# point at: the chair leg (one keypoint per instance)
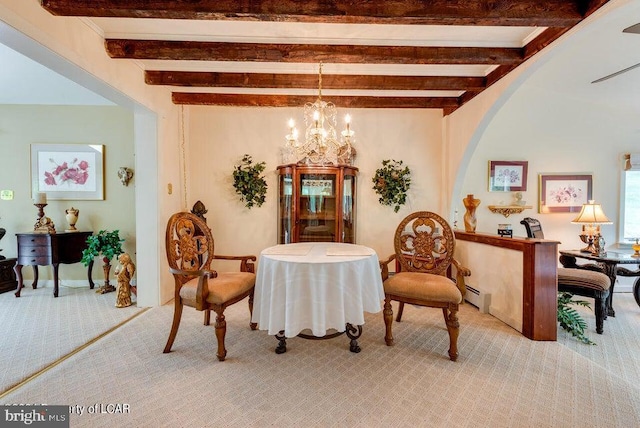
(207, 317)
(601, 311)
(388, 320)
(221, 331)
(400, 310)
(177, 314)
(253, 325)
(451, 318)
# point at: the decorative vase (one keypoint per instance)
(636, 249)
(72, 219)
(470, 221)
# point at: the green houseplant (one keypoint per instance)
(108, 245)
(570, 319)
(391, 183)
(248, 182)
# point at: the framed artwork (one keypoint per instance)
(508, 176)
(68, 171)
(564, 193)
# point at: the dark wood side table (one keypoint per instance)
(607, 263)
(7, 275)
(44, 249)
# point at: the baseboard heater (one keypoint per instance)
(478, 299)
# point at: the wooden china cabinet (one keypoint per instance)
(316, 203)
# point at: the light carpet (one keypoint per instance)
(37, 329)
(501, 379)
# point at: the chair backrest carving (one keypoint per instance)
(189, 243)
(533, 227)
(424, 242)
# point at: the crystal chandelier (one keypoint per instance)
(321, 144)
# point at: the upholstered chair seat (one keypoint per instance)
(222, 288)
(587, 283)
(411, 285)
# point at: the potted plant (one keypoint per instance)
(105, 244)
(570, 319)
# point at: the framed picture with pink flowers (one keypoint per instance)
(508, 176)
(564, 193)
(68, 171)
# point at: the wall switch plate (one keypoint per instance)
(6, 195)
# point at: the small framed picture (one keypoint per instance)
(564, 193)
(508, 176)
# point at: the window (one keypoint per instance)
(630, 206)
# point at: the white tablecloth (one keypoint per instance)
(317, 286)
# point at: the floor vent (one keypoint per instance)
(478, 299)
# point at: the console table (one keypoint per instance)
(44, 249)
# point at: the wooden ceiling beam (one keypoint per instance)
(250, 100)
(529, 13)
(308, 53)
(310, 81)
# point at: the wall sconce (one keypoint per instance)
(125, 175)
(591, 217)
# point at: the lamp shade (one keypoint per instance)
(591, 213)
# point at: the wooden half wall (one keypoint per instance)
(534, 282)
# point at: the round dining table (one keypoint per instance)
(323, 288)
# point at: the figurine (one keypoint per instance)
(124, 272)
(44, 225)
(470, 221)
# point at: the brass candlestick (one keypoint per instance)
(40, 211)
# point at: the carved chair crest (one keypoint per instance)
(424, 242)
(190, 243)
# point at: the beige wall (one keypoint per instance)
(23, 125)
(220, 136)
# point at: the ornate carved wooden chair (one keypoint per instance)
(190, 252)
(424, 245)
(583, 282)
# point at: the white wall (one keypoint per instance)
(220, 136)
(576, 138)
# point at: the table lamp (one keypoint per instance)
(591, 217)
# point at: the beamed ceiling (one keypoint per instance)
(375, 54)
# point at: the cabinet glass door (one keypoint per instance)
(317, 210)
(348, 214)
(285, 223)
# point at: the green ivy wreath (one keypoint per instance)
(248, 182)
(391, 183)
